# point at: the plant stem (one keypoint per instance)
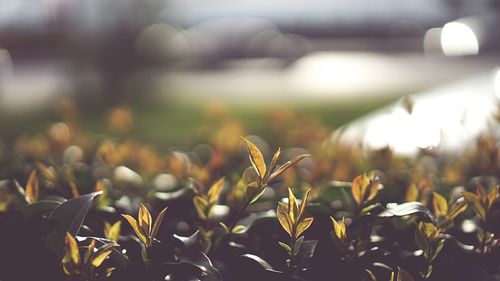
(232, 225)
(292, 254)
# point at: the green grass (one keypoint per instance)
(179, 123)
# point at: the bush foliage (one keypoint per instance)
(75, 206)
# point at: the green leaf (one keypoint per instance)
(409, 208)
(370, 274)
(438, 248)
(190, 241)
(224, 226)
(298, 244)
(403, 275)
(38, 208)
(421, 242)
(306, 252)
(69, 217)
(239, 229)
(428, 272)
(286, 247)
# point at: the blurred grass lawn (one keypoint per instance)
(178, 123)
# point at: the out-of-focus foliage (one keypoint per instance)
(68, 200)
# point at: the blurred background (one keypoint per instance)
(400, 74)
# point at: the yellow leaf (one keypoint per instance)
(145, 220)
(100, 257)
(493, 196)
(74, 190)
(112, 232)
(89, 252)
(138, 230)
(72, 248)
(293, 208)
(456, 209)
(440, 205)
(215, 190)
(303, 225)
(283, 218)
(201, 204)
(476, 203)
(158, 221)
(66, 268)
(274, 161)
(411, 193)
(373, 187)
(339, 228)
(286, 166)
(32, 187)
(256, 158)
(359, 186)
(428, 229)
(47, 172)
(109, 271)
(480, 191)
(365, 187)
(304, 203)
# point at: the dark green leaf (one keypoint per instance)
(203, 263)
(258, 260)
(410, 208)
(38, 208)
(403, 275)
(298, 244)
(68, 217)
(188, 242)
(306, 251)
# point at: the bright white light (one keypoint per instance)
(496, 83)
(347, 73)
(432, 44)
(468, 226)
(426, 132)
(446, 119)
(458, 39)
